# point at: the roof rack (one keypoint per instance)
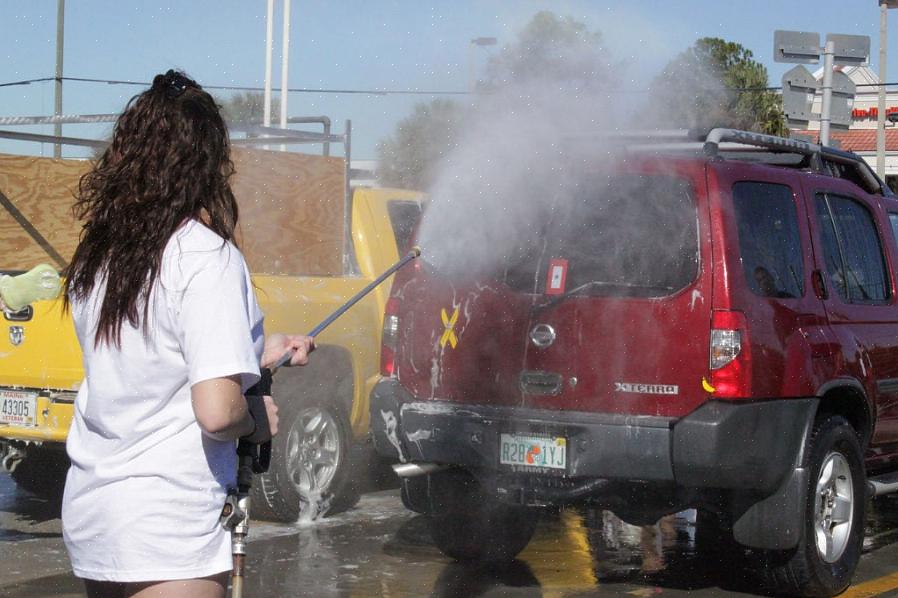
(820, 157)
(722, 143)
(256, 134)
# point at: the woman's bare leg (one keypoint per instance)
(104, 589)
(214, 586)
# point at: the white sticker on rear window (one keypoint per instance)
(647, 389)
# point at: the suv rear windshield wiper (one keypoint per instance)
(598, 283)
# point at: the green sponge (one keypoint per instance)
(41, 282)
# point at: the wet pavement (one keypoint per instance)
(380, 549)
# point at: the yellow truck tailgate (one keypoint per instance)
(40, 369)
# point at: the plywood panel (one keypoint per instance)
(291, 210)
(42, 190)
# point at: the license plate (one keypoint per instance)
(523, 451)
(18, 407)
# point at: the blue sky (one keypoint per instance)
(373, 44)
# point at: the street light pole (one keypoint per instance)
(285, 51)
(266, 109)
(479, 41)
(827, 88)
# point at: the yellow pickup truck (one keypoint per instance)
(311, 243)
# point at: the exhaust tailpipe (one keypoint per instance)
(410, 470)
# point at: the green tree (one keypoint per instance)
(550, 50)
(717, 83)
(239, 108)
(248, 106)
(410, 157)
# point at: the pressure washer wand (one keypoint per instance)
(255, 458)
(412, 254)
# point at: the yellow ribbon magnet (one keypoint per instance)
(449, 323)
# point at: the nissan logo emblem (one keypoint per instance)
(542, 335)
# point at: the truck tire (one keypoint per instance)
(825, 559)
(311, 473)
(469, 525)
(42, 472)
(715, 548)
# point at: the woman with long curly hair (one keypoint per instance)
(172, 337)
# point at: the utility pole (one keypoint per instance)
(60, 44)
(884, 6)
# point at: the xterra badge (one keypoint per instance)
(647, 389)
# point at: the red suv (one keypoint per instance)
(738, 355)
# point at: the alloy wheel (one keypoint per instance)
(313, 450)
(833, 507)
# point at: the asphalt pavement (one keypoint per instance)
(380, 549)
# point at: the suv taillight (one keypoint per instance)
(730, 361)
(389, 338)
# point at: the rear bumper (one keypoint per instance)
(722, 445)
(52, 422)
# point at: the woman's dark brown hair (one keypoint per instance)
(169, 160)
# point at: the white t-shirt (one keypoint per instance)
(146, 486)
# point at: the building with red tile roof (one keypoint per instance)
(860, 137)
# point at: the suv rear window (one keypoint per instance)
(404, 216)
(622, 235)
(769, 243)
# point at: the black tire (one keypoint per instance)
(713, 537)
(834, 511)
(42, 472)
(312, 473)
(471, 526)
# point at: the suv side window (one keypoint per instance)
(852, 250)
(769, 242)
(404, 216)
(893, 220)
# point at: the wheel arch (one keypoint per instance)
(329, 373)
(847, 397)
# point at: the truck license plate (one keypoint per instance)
(533, 452)
(17, 407)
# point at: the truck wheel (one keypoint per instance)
(824, 560)
(471, 526)
(311, 472)
(42, 472)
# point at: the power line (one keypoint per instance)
(382, 92)
(27, 81)
(378, 92)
